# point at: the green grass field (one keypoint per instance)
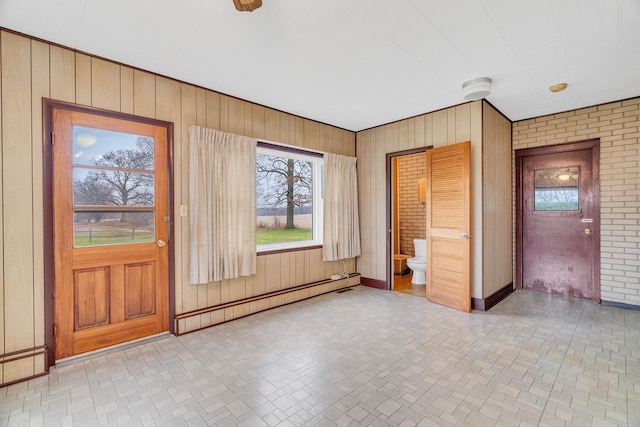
(279, 236)
(262, 237)
(110, 238)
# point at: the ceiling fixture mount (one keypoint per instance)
(247, 5)
(477, 88)
(558, 87)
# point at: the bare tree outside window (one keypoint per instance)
(556, 199)
(120, 177)
(122, 184)
(284, 198)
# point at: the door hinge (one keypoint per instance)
(55, 331)
(53, 138)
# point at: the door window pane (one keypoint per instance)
(92, 228)
(557, 189)
(112, 149)
(112, 187)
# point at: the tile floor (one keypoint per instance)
(363, 357)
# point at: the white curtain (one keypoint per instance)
(341, 236)
(222, 205)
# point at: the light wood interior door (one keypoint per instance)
(449, 226)
(110, 207)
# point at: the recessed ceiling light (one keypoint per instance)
(558, 87)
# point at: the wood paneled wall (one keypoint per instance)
(32, 70)
(461, 123)
(497, 194)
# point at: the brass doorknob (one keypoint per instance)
(162, 243)
(587, 231)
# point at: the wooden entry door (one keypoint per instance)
(449, 226)
(559, 237)
(111, 229)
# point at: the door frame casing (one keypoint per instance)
(48, 106)
(590, 144)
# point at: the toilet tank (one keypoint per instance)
(420, 248)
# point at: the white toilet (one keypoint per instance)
(418, 264)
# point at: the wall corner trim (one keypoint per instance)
(373, 283)
(487, 303)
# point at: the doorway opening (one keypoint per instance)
(558, 219)
(447, 245)
(406, 221)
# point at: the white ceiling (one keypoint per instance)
(361, 63)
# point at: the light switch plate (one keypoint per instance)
(183, 210)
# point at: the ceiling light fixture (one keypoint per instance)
(477, 88)
(247, 5)
(558, 87)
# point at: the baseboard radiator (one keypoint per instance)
(22, 365)
(214, 315)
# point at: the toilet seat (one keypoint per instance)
(418, 264)
(417, 261)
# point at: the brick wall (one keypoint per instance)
(412, 212)
(617, 125)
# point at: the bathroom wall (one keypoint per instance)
(412, 212)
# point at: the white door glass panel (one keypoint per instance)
(557, 189)
(113, 187)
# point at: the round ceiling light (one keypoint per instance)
(558, 87)
(477, 88)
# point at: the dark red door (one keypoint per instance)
(560, 221)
